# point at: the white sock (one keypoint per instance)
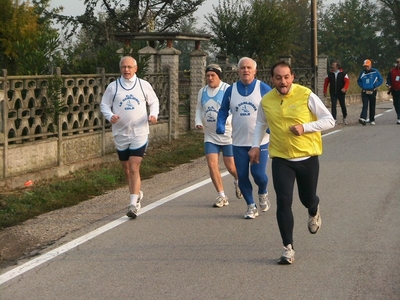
(222, 194)
(133, 198)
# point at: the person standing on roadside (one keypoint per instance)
(296, 117)
(369, 80)
(242, 100)
(124, 105)
(393, 84)
(338, 82)
(209, 101)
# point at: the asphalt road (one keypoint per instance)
(180, 247)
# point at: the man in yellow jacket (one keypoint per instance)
(296, 117)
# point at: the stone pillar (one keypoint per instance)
(169, 60)
(3, 105)
(322, 70)
(153, 65)
(223, 61)
(198, 60)
(287, 58)
(3, 125)
(102, 73)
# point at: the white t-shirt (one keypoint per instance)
(127, 99)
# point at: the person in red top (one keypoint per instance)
(338, 82)
(393, 84)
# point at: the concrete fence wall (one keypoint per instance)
(40, 160)
(33, 150)
(34, 138)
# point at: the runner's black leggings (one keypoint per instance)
(284, 174)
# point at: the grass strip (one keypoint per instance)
(21, 205)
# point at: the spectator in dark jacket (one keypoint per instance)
(393, 84)
(338, 82)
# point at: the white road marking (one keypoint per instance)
(332, 132)
(70, 245)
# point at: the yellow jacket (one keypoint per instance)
(283, 111)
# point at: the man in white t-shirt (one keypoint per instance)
(124, 105)
(208, 103)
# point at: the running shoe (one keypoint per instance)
(265, 204)
(221, 201)
(314, 222)
(251, 212)
(134, 209)
(238, 192)
(287, 256)
(138, 203)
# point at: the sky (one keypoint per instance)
(76, 7)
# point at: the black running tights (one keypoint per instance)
(284, 174)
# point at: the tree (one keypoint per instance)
(94, 42)
(188, 25)
(348, 31)
(394, 7)
(229, 25)
(132, 15)
(271, 31)
(262, 29)
(19, 22)
(389, 38)
(35, 55)
(91, 49)
(300, 17)
(27, 41)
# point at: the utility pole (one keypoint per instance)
(314, 46)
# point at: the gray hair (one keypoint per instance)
(246, 58)
(124, 57)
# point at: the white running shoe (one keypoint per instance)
(265, 204)
(134, 209)
(238, 192)
(221, 201)
(314, 222)
(251, 212)
(287, 256)
(138, 204)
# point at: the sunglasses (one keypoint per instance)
(398, 61)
